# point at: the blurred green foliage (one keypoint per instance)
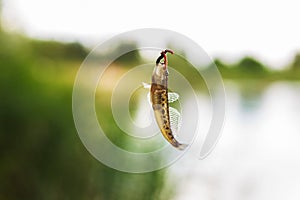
(41, 155)
(295, 66)
(249, 68)
(131, 58)
(53, 49)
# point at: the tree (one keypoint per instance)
(296, 63)
(250, 65)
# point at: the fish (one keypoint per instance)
(160, 98)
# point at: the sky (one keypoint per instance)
(228, 29)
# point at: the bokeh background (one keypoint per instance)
(255, 45)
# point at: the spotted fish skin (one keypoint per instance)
(160, 104)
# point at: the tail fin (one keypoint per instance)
(182, 147)
(178, 145)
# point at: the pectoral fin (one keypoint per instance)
(172, 96)
(175, 120)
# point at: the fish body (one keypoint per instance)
(160, 101)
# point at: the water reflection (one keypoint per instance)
(258, 155)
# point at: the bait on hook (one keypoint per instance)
(160, 99)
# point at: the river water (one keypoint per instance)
(258, 154)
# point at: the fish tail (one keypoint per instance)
(182, 146)
(178, 145)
